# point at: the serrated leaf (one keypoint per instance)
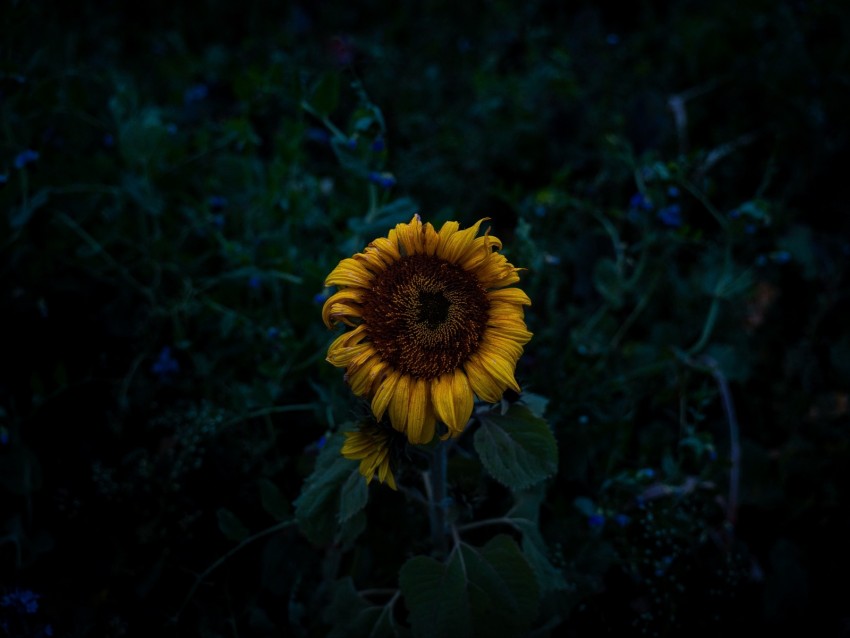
(230, 525)
(273, 500)
(317, 509)
(353, 497)
(479, 592)
(524, 516)
(326, 94)
(517, 448)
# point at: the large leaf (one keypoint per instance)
(524, 516)
(351, 616)
(323, 504)
(517, 448)
(274, 502)
(487, 591)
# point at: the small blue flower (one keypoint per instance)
(4, 436)
(672, 191)
(321, 442)
(165, 365)
(584, 419)
(612, 39)
(647, 473)
(761, 260)
(622, 520)
(734, 213)
(639, 202)
(378, 145)
(108, 140)
(321, 297)
(671, 215)
(596, 521)
(254, 282)
(315, 134)
(273, 333)
(25, 157)
(781, 256)
(750, 229)
(196, 93)
(384, 180)
(171, 128)
(21, 600)
(217, 202)
(351, 143)
(217, 220)
(3, 178)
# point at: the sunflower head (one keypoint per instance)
(376, 447)
(433, 323)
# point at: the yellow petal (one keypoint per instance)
(399, 403)
(500, 368)
(447, 230)
(516, 333)
(492, 343)
(349, 297)
(384, 394)
(419, 416)
(355, 445)
(430, 239)
(341, 357)
(510, 295)
(481, 382)
(454, 249)
(388, 250)
(452, 398)
(349, 272)
(410, 236)
(391, 479)
(364, 376)
(371, 260)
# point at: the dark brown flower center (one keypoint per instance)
(425, 316)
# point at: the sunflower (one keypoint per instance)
(371, 446)
(433, 323)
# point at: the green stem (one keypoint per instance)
(436, 485)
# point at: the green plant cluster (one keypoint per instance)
(176, 184)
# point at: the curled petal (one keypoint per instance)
(349, 272)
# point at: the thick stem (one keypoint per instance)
(437, 498)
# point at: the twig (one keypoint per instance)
(223, 559)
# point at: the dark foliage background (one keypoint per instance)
(176, 181)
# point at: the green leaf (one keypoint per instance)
(230, 525)
(489, 591)
(353, 497)
(317, 509)
(326, 94)
(517, 448)
(273, 500)
(524, 516)
(350, 615)
(535, 402)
